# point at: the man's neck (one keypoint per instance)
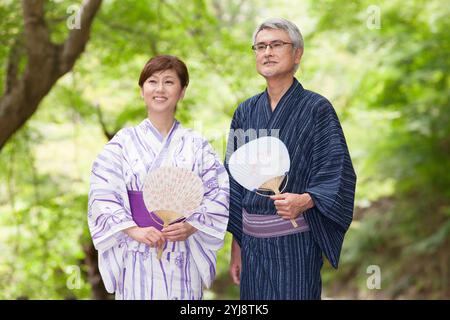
(162, 122)
(276, 88)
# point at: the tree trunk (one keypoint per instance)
(46, 63)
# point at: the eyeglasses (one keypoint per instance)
(276, 45)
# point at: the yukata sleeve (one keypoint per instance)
(236, 190)
(109, 209)
(332, 184)
(211, 218)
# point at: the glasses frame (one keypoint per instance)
(270, 45)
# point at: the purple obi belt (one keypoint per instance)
(141, 215)
(268, 226)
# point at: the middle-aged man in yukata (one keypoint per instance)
(270, 258)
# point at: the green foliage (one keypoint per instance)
(389, 85)
(42, 228)
(407, 79)
(11, 28)
(45, 167)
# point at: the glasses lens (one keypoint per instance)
(277, 44)
(259, 47)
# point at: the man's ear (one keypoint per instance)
(298, 55)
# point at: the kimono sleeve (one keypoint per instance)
(236, 190)
(332, 184)
(212, 217)
(108, 205)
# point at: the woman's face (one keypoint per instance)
(161, 91)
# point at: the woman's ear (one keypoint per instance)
(141, 90)
(182, 93)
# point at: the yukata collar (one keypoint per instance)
(147, 125)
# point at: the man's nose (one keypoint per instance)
(267, 51)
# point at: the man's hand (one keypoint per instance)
(148, 235)
(178, 231)
(235, 262)
(291, 205)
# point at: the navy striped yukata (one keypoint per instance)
(288, 267)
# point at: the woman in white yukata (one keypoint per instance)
(125, 234)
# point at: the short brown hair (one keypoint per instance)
(162, 63)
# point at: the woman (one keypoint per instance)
(128, 238)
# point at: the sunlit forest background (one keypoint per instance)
(66, 90)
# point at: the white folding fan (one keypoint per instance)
(172, 193)
(261, 164)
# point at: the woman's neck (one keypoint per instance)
(162, 122)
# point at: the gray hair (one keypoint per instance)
(282, 24)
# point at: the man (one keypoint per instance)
(319, 195)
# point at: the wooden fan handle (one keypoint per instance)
(160, 251)
(161, 247)
(294, 223)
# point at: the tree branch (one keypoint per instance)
(37, 36)
(46, 63)
(12, 69)
(108, 134)
(78, 38)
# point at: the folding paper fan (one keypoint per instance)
(261, 164)
(172, 193)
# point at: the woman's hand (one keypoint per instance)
(178, 231)
(148, 235)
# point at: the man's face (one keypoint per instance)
(273, 62)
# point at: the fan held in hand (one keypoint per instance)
(261, 165)
(172, 193)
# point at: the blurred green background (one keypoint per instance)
(383, 65)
